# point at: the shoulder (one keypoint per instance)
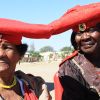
(73, 54)
(29, 77)
(31, 81)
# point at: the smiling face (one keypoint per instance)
(8, 56)
(88, 41)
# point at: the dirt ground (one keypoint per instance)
(43, 69)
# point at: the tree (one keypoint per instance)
(46, 49)
(35, 55)
(66, 49)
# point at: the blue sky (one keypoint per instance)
(41, 11)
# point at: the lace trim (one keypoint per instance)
(91, 86)
(78, 66)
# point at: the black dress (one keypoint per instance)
(78, 79)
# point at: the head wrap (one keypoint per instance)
(78, 18)
(14, 30)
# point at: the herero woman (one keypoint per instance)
(78, 77)
(18, 85)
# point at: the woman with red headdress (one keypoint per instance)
(78, 77)
(18, 85)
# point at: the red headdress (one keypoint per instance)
(13, 30)
(78, 18)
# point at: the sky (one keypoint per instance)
(41, 12)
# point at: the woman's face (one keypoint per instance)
(8, 56)
(89, 40)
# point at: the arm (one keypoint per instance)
(45, 95)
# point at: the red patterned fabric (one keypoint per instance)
(29, 95)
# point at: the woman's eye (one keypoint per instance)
(79, 33)
(92, 30)
(7, 47)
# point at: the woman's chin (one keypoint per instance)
(88, 48)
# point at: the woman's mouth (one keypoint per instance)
(4, 62)
(87, 46)
(4, 65)
(87, 43)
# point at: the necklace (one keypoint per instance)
(9, 86)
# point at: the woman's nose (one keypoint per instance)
(85, 35)
(2, 52)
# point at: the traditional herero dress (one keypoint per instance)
(79, 78)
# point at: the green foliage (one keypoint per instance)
(34, 54)
(47, 49)
(66, 49)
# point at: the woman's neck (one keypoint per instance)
(94, 59)
(6, 79)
